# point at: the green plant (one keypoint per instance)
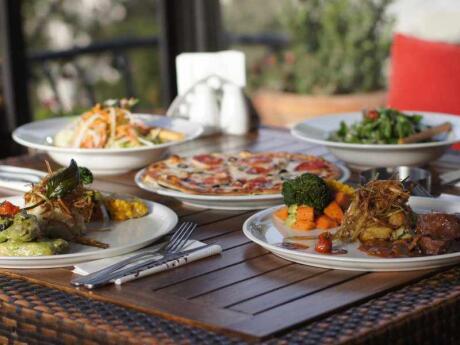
(62, 88)
(337, 47)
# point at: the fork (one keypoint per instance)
(417, 188)
(175, 244)
(422, 191)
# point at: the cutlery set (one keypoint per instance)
(171, 250)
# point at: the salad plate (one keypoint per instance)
(319, 130)
(41, 135)
(122, 237)
(224, 202)
(263, 229)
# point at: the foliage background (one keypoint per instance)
(52, 25)
(62, 24)
(336, 47)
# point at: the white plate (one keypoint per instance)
(317, 131)
(17, 178)
(123, 237)
(36, 135)
(225, 202)
(261, 229)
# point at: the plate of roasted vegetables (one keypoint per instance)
(374, 227)
(62, 221)
(108, 138)
(382, 137)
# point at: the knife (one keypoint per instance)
(146, 264)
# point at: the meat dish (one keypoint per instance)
(380, 218)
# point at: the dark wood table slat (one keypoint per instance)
(228, 258)
(229, 240)
(325, 301)
(206, 217)
(222, 227)
(227, 276)
(259, 286)
(307, 286)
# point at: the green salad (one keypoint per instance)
(382, 126)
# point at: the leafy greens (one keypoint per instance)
(383, 126)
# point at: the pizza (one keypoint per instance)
(242, 173)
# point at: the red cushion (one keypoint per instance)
(425, 75)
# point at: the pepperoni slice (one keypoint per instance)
(213, 180)
(257, 182)
(208, 159)
(239, 183)
(257, 170)
(311, 165)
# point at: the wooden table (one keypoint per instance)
(245, 294)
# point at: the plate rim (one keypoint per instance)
(108, 252)
(12, 169)
(377, 147)
(67, 119)
(335, 258)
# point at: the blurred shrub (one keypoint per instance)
(67, 86)
(338, 47)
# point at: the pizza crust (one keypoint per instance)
(186, 175)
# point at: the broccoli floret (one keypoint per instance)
(307, 189)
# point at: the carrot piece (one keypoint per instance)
(282, 213)
(306, 213)
(303, 225)
(342, 199)
(334, 211)
(324, 222)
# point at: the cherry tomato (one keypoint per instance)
(324, 244)
(257, 182)
(372, 115)
(8, 209)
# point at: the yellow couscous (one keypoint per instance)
(337, 186)
(121, 209)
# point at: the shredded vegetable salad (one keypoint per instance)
(112, 125)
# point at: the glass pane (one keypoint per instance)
(118, 55)
(245, 19)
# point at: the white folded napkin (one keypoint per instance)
(93, 266)
(449, 197)
(193, 67)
